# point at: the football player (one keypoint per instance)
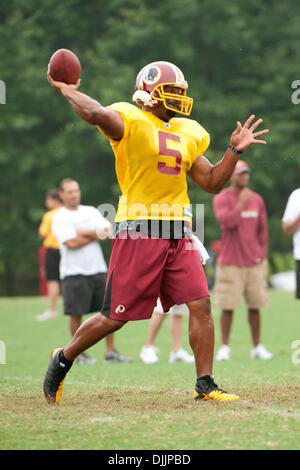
(153, 254)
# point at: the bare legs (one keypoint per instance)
(254, 322)
(110, 343)
(89, 333)
(176, 326)
(201, 335)
(154, 327)
(75, 322)
(53, 289)
(226, 322)
(53, 292)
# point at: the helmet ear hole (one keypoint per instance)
(143, 98)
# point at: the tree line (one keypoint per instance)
(239, 58)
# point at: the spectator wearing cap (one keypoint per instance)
(242, 261)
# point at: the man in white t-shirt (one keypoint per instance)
(291, 226)
(83, 270)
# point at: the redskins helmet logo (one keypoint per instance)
(120, 309)
(152, 75)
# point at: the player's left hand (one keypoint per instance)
(245, 135)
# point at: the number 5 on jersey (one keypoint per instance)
(164, 150)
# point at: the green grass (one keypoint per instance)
(141, 407)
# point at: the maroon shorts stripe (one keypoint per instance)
(143, 269)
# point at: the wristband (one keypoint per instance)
(234, 150)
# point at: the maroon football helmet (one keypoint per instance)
(154, 85)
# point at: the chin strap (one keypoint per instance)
(143, 98)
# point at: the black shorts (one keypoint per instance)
(83, 294)
(52, 264)
(297, 279)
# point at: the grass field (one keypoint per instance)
(146, 407)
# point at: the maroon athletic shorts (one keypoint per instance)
(143, 269)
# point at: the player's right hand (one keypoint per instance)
(60, 86)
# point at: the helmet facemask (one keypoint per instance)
(179, 103)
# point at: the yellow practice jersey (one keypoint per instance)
(45, 230)
(152, 160)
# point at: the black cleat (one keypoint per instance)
(54, 378)
(207, 389)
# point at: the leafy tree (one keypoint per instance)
(238, 57)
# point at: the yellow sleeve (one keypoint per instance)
(45, 226)
(129, 112)
(204, 142)
(198, 132)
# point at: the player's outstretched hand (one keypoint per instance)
(245, 135)
(59, 86)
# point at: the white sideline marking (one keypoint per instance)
(269, 409)
(104, 419)
(283, 413)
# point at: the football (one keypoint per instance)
(64, 66)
